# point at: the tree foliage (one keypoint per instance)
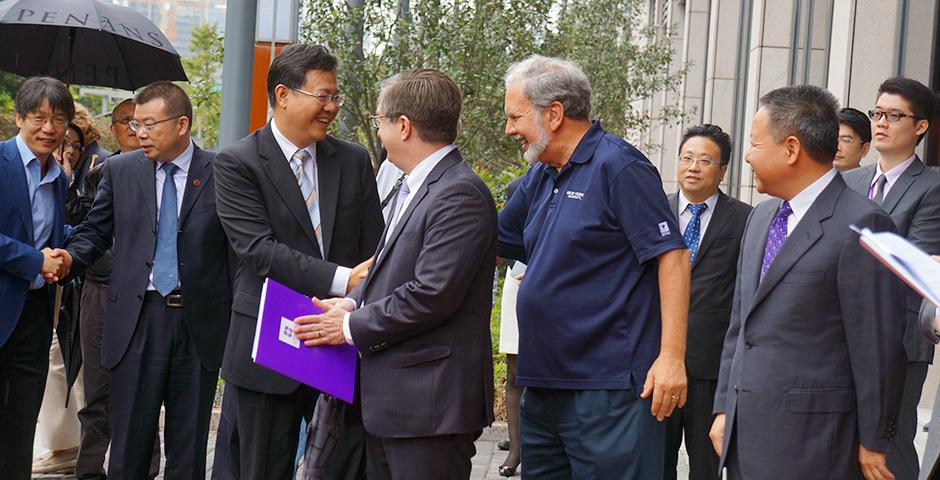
(475, 41)
(203, 69)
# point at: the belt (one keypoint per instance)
(173, 299)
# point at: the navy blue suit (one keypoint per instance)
(25, 316)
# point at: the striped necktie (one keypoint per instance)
(309, 191)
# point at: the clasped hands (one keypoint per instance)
(56, 264)
(327, 328)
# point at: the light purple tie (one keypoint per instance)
(775, 237)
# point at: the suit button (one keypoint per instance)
(749, 344)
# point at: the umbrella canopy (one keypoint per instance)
(85, 42)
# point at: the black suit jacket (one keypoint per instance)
(264, 214)
(914, 205)
(813, 362)
(424, 327)
(124, 214)
(713, 272)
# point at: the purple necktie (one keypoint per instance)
(775, 237)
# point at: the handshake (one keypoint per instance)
(55, 264)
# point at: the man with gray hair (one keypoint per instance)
(813, 365)
(602, 309)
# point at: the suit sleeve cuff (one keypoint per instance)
(340, 281)
(346, 332)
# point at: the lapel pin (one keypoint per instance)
(196, 182)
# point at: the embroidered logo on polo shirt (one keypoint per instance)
(664, 229)
(575, 195)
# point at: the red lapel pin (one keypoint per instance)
(196, 182)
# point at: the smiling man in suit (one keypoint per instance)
(712, 224)
(422, 322)
(910, 193)
(299, 206)
(32, 223)
(169, 295)
(812, 366)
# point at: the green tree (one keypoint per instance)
(203, 70)
(475, 42)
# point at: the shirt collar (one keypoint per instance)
(424, 167)
(894, 173)
(28, 156)
(710, 201)
(802, 201)
(586, 146)
(185, 159)
(288, 146)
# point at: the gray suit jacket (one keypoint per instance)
(813, 363)
(424, 326)
(914, 205)
(932, 451)
(713, 274)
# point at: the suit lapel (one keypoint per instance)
(806, 234)
(901, 185)
(448, 161)
(146, 178)
(17, 180)
(862, 183)
(716, 224)
(328, 173)
(200, 172)
(280, 174)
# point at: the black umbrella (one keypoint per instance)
(85, 42)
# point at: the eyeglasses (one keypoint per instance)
(136, 126)
(323, 98)
(122, 121)
(703, 162)
(74, 146)
(893, 117)
(375, 120)
(846, 140)
(39, 121)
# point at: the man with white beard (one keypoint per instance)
(602, 309)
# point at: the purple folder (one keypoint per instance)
(330, 369)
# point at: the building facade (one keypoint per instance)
(737, 50)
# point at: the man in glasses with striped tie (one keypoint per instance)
(300, 207)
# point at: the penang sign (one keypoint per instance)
(149, 34)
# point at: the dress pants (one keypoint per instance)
(268, 428)
(695, 419)
(225, 464)
(24, 363)
(903, 461)
(160, 367)
(602, 434)
(58, 427)
(443, 457)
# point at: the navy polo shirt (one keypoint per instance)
(588, 308)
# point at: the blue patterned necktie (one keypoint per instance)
(165, 269)
(775, 237)
(308, 191)
(692, 235)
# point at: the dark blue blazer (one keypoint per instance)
(123, 217)
(20, 261)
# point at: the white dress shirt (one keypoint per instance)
(685, 215)
(182, 163)
(802, 201)
(341, 276)
(891, 176)
(415, 180)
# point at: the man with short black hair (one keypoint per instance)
(34, 189)
(812, 365)
(854, 139)
(712, 224)
(300, 207)
(169, 295)
(910, 192)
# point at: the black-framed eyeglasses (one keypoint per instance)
(148, 126)
(75, 146)
(323, 98)
(892, 117)
(703, 161)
